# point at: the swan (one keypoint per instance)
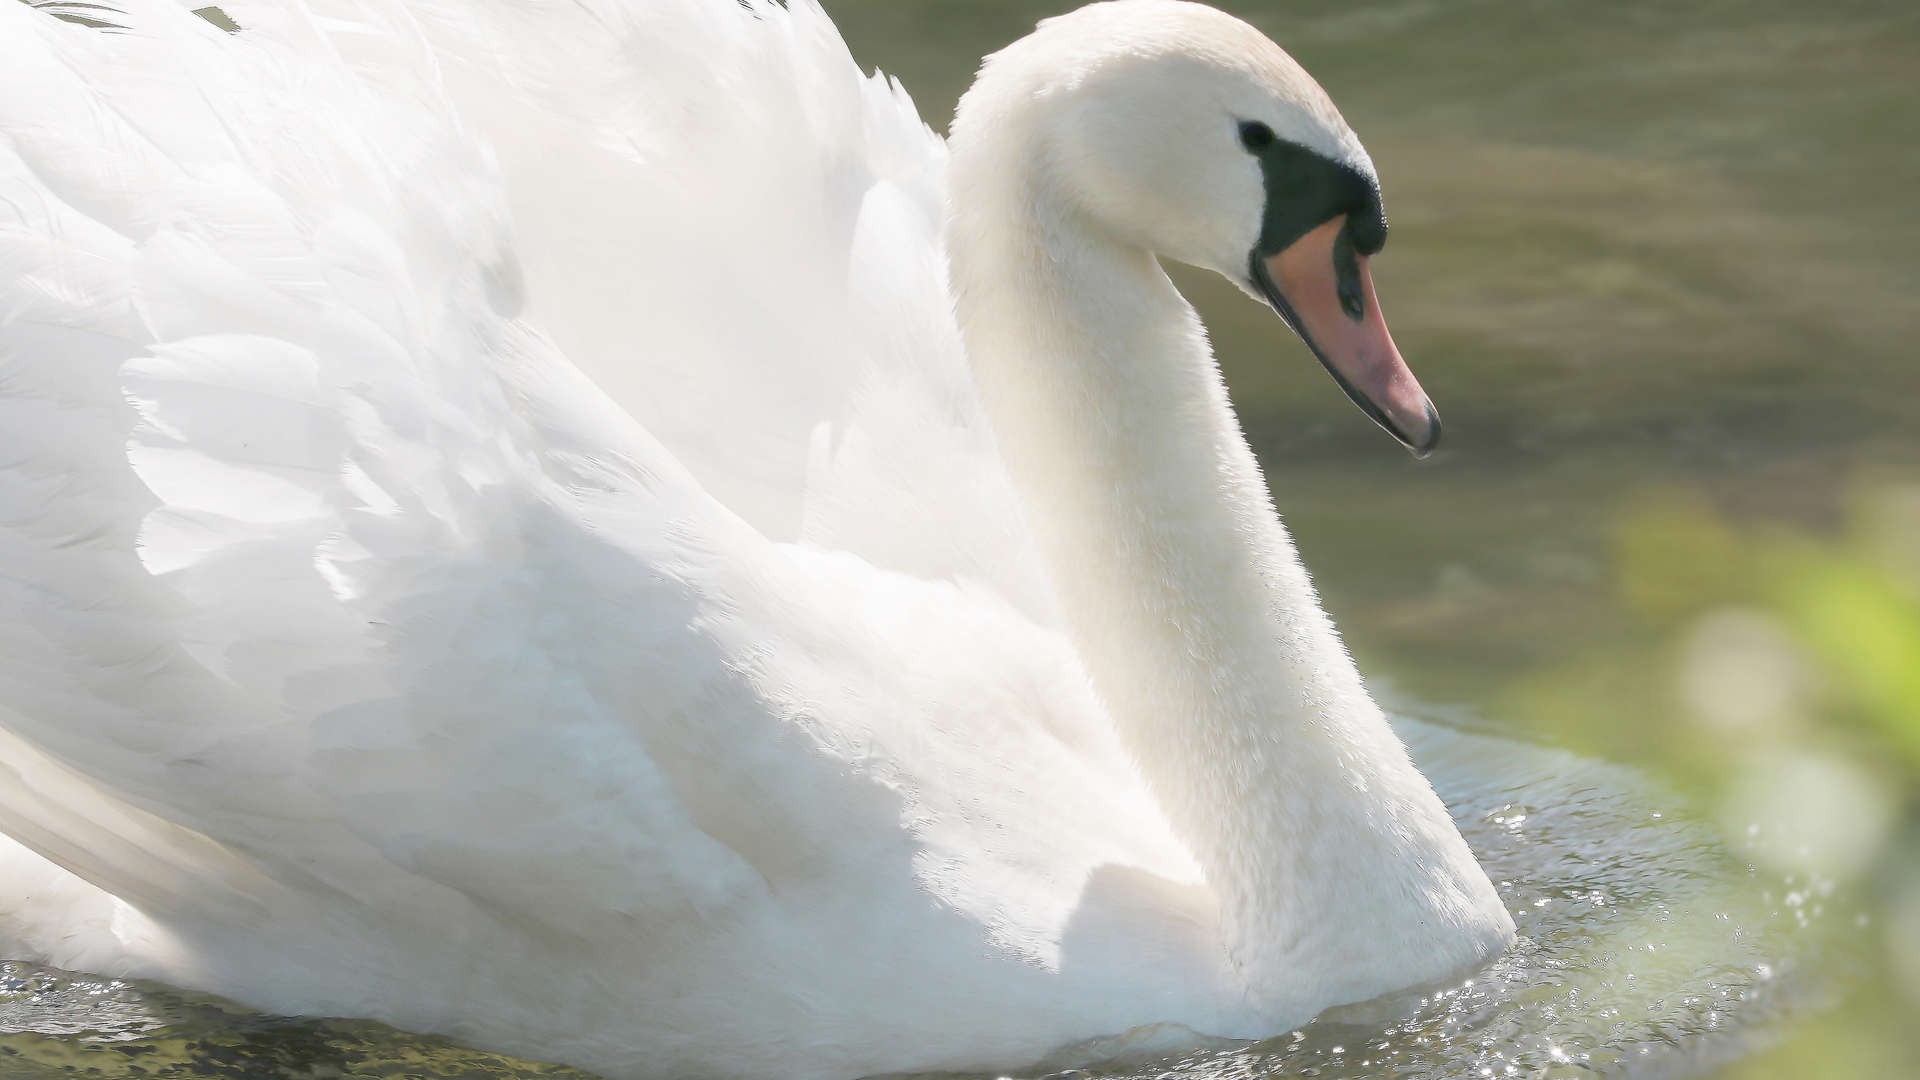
(588, 529)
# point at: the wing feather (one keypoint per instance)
(277, 527)
(469, 526)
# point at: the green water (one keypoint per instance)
(1642, 253)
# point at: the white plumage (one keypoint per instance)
(499, 532)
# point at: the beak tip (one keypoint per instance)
(1424, 448)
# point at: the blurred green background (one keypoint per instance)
(1656, 263)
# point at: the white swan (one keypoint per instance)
(768, 713)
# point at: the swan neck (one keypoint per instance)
(1198, 626)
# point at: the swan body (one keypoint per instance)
(538, 524)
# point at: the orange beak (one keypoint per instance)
(1322, 288)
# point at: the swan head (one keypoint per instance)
(1177, 128)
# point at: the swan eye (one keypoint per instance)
(1255, 136)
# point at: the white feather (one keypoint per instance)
(499, 533)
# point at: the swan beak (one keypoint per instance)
(1322, 288)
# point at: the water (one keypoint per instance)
(1634, 244)
(1646, 949)
(67, 1024)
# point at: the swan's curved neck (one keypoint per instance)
(1325, 847)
